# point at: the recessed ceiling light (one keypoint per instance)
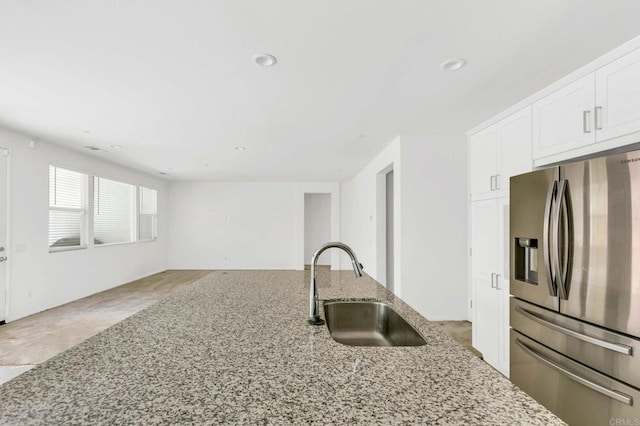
(453, 64)
(116, 146)
(240, 148)
(264, 59)
(86, 131)
(162, 173)
(207, 165)
(92, 148)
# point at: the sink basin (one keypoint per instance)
(360, 323)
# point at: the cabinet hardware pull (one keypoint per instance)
(492, 280)
(598, 117)
(497, 182)
(498, 282)
(586, 126)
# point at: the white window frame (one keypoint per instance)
(84, 210)
(140, 214)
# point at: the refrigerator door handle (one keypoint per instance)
(561, 265)
(546, 240)
(618, 396)
(623, 349)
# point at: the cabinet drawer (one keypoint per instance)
(614, 354)
(575, 393)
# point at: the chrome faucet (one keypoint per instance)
(314, 305)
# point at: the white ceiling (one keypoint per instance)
(172, 81)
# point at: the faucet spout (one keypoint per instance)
(314, 303)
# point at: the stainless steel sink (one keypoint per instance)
(361, 323)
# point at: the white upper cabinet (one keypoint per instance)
(564, 119)
(514, 147)
(603, 106)
(617, 110)
(483, 161)
(499, 152)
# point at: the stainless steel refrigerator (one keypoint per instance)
(575, 286)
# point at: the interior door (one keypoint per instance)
(530, 278)
(4, 156)
(603, 282)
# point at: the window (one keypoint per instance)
(147, 228)
(67, 208)
(113, 211)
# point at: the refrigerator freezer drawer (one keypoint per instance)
(608, 352)
(575, 393)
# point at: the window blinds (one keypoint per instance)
(113, 211)
(67, 207)
(148, 214)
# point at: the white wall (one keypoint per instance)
(362, 214)
(40, 280)
(317, 226)
(434, 232)
(430, 221)
(216, 225)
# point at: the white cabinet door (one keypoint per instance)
(618, 97)
(484, 248)
(564, 119)
(482, 162)
(514, 147)
(502, 285)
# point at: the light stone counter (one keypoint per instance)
(235, 348)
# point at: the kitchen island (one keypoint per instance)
(235, 347)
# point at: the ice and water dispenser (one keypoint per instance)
(526, 260)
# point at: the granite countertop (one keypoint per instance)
(235, 347)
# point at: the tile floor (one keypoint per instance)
(29, 341)
(460, 331)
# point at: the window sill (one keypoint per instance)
(70, 248)
(148, 241)
(114, 244)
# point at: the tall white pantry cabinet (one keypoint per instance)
(587, 113)
(506, 146)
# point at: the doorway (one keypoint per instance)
(4, 169)
(386, 254)
(389, 231)
(317, 226)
